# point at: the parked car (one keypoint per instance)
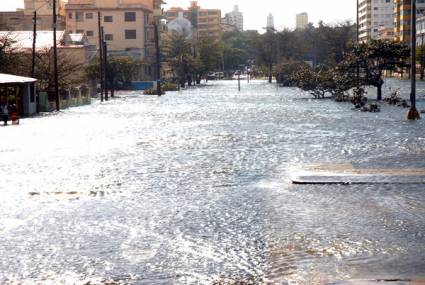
(211, 76)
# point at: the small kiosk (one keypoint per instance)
(20, 92)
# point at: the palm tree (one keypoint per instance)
(178, 54)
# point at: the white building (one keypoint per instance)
(301, 21)
(270, 22)
(181, 26)
(234, 18)
(373, 16)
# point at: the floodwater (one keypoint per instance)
(193, 188)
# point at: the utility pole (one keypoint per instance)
(55, 57)
(422, 55)
(413, 112)
(100, 31)
(358, 41)
(158, 57)
(105, 69)
(34, 39)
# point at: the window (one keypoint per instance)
(79, 16)
(79, 31)
(130, 16)
(148, 70)
(130, 34)
(89, 15)
(89, 33)
(107, 19)
(109, 37)
(70, 15)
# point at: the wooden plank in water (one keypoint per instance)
(347, 174)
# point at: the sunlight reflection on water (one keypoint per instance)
(192, 188)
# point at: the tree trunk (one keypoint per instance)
(379, 91)
(112, 86)
(270, 73)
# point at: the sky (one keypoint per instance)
(255, 12)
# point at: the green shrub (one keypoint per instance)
(169, 86)
(152, 91)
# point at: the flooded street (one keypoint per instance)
(193, 188)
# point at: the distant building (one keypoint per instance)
(402, 18)
(374, 15)
(386, 34)
(205, 22)
(420, 31)
(270, 22)
(13, 21)
(301, 21)
(22, 19)
(234, 18)
(228, 28)
(124, 24)
(181, 26)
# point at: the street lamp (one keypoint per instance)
(55, 57)
(157, 14)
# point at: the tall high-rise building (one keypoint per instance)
(234, 18)
(301, 21)
(270, 22)
(206, 22)
(402, 12)
(374, 16)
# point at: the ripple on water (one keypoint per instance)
(192, 188)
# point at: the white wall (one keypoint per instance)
(30, 108)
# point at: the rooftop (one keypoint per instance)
(23, 39)
(44, 41)
(8, 78)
